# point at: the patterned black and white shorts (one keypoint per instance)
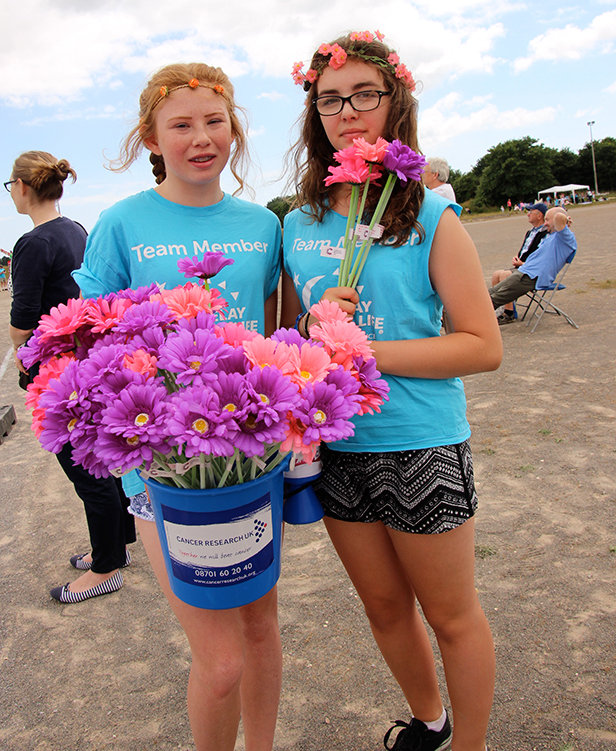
(425, 491)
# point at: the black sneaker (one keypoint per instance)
(418, 737)
(506, 317)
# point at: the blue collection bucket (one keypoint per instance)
(221, 546)
(301, 505)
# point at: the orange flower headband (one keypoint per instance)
(338, 57)
(194, 83)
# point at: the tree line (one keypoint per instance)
(518, 170)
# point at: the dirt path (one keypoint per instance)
(111, 673)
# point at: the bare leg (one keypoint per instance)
(237, 664)
(389, 600)
(262, 678)
(441, 569)
(216, 643)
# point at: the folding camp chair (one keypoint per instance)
(540, 299)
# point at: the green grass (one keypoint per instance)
(606, 284)
(484, 551)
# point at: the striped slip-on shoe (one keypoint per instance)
(64, 594)
(78, 562)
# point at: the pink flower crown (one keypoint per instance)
(338, 57)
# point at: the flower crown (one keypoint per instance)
(338, 57)
(194, 83)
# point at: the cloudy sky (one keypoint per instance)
(489, 70)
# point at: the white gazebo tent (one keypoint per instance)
(557, 189)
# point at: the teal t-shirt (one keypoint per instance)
(140, 239)
(396, 302)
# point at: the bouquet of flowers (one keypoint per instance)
(155, 380)
(362, 164)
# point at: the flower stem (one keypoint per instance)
(238, 465)
(362, 256)
(349, 243)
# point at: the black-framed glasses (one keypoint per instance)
(361, 101)
(8, 184)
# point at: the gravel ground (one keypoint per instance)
(111, 673)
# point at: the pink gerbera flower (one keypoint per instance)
(343, 340)
(141, 362)
(294, 441)
(355, 175)
(371, 152)
(47, 372)
(264, 352)
(234, 334)
(103, 315)
(63, 320)
(188, 300)
(312, 365)
(327, 310)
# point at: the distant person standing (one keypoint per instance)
(42, 262)
(435, 177)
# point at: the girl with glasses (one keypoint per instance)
(399, 496)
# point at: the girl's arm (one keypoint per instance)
(291, 306)
(455, 271)
(270, 313)
(476, 345)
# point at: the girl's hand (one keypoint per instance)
(18, 363)
(346, 297)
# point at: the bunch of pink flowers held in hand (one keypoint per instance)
(364, 163)
(155, 380)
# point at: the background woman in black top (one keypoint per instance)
(43, 260)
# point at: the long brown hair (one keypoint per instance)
(312, 154)
(179, 75)
(43, 173)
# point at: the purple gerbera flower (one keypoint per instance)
(235, 362)
(272, 394)
(139, 412)
(403, 161)
(288, 336)
(122, 454)
(369, 376)
(233, 394)
(193, 356)
(84, 451)
(199, 423)
(207, 267)
(343, 380)
(41, 350)
(67, 405)
(150, 340)
(102, 361)
(203, 320)
(141, 294)
(326, 413)
(143, 316)
(272, 397)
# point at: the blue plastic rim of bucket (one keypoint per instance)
(221, 546)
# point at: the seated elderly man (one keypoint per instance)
(542, 266)
(435, 177)
(532, 238)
